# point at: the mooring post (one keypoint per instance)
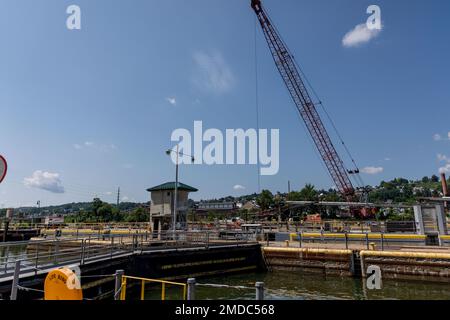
(299, 239)
(56, 251)
(367, 241)
(82, 251)
(5, 232)
(191, 289)
(346, 240)
(112, 247)
(15, 282)
(37, 260)
(6, 259)
(259, 290)
(118, 284)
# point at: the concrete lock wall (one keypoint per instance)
(333, 262)
(409, 265)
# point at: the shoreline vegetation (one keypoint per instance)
(399, 190)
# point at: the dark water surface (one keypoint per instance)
(301, 286)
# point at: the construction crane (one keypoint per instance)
(289, 72)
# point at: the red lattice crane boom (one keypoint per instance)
(302, 99)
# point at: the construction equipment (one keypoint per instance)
(290, 73)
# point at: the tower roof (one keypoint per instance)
(171, 186)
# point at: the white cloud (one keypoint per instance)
(387, 159)
(93, 145)
(238, 187)
(437, 137)
(125, 199)
(128, 166)
(446, 167)
(107, 147)
(359, 35)
(45, 180)
(212, 74)
(172, 101)
(372, 170)
(448, 136)
(109, 193)
(442, 157)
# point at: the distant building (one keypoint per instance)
(53, 220)
(250, 205)
(216, 206)
(204, 208)
(162, 205)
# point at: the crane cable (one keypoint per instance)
(358, 178)
(307, 133)
(257, 102)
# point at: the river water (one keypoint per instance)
(302, 286)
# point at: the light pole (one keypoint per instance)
(178, 153)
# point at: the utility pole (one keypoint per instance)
(287, 198)
(175, 195)
(118, 197)
(178, 153)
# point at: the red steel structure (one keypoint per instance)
(296, 86)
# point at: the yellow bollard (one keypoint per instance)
(373, 246)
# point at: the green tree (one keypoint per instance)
(138, 215)
(309, 193)
(265, 200)
(104, 213)
(96, 204)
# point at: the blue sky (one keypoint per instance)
(86, 111)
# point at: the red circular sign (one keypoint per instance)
(3, 168)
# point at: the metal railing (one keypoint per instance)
(143, 281)
(192, 284)
(39, 255)
(355, 241)
(188, 289)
